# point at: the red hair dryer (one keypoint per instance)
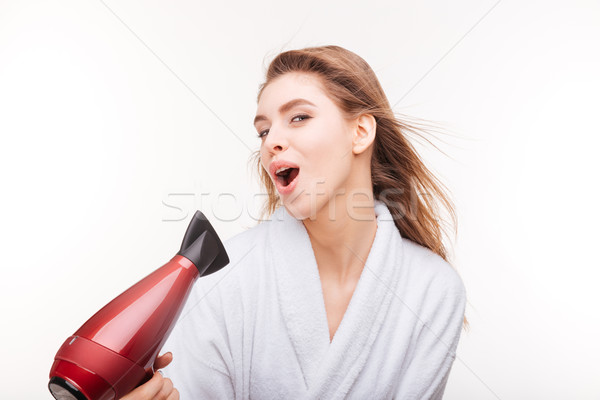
(114, 351)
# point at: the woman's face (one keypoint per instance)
(308, 135)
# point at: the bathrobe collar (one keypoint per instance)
(330, 368)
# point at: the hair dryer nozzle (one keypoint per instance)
(202, 246)
(63, 390)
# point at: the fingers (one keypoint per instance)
(148, 390)
(166, 390)
(163, 361)
(157, 388)
(174, 395)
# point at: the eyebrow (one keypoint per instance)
(285, 107)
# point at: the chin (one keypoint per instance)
(302, 208)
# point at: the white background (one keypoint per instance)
(115, 117)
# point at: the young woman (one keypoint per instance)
(346, 291)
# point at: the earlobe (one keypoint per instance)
(364, 134)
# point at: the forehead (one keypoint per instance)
(289, 86)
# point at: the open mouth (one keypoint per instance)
(285, 176)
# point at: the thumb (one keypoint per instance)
(163, 361)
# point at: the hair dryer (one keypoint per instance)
(114, 351)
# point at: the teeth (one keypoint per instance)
(281, 170)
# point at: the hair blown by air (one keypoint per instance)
(400, 178)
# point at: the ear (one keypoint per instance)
(364, 133)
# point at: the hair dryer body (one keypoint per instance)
(114, 351)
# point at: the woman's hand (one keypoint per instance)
(157, 388)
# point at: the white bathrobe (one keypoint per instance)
(257, 329)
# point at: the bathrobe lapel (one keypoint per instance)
(300, 293)
(330, 369)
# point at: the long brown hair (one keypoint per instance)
(400, 178)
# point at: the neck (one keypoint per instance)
(341, 236)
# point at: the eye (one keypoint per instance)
(303, 116)
(261, 134)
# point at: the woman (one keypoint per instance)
(346, 292)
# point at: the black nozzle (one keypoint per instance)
(202, 246)
(63, 390)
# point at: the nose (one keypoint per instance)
(276, 141)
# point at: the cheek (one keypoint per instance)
(336, 159)
(263, 155)
(328, 165)
(327, 149)
(326, 139)
(264, 161)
